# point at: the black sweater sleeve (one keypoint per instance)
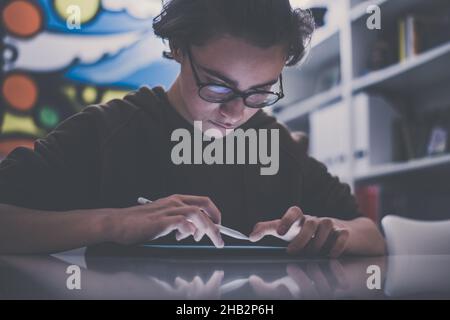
(324, 195)
(60, 173)
(66, 169)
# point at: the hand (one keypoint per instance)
(198, 289)
(282, 288)
(309, 281)
(326, 236)
(188, 215)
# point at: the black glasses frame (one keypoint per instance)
(236, 93)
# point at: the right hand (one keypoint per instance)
(188, 215)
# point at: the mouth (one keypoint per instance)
(222, 125)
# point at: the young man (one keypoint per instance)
(80, 184)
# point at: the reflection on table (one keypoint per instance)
(121, 277)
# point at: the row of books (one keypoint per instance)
(418, 33)
(415, 34)
(417, 135)
(421, 134)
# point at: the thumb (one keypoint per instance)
(292, 214)
(262, 229)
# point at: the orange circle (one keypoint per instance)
(20, 91)
(10, 144)
(22, 18)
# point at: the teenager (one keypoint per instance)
(79, 185)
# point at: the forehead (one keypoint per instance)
(238, 59)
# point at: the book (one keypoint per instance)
(412, 47)
(418, 32)
(401, 40)
(408, 37)
(368, 199)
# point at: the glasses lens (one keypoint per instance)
(261, 99)
(215, 93)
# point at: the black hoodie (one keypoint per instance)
(109, 155)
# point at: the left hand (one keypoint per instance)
(313, 280)
(325, 236)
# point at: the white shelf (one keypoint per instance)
(324, 48)
(392, 8)
(301, 108)
(433, 59)
(323, 34)
(403, 167)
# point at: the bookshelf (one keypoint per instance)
(390, 169)
(308, 105)
(417, 84)
(324, 36)
(421, 69)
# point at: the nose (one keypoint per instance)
(233, 110)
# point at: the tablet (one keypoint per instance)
(193, 252)
(208, 253)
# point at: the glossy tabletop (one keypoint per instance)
(226, 274)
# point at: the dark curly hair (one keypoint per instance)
(263, 23)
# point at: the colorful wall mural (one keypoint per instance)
(59, 56)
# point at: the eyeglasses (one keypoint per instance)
(219, 93)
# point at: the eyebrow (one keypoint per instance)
(232, 82)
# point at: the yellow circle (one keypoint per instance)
(86, 9)
(89, 94)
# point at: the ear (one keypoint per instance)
(176, 52)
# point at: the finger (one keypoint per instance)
(172, 223)
(203, 224)
(212, 231)
(303, 281)
(194, 215)
(181, 284)
(206, 226)
(316, 275)
(205, 203)
(304, 237)
(340, 244)
(324, 230)
(257, 283)
(292, 215)
(268, 290)
(215, 281)
(298, 275)
(291, 286)
(262, 229)
(185, 229)
(195, 288)
(339, 274)
(183, 235)
(282, 291)
(198, 283)
(179, 236)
